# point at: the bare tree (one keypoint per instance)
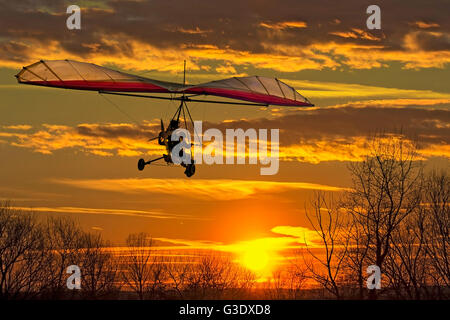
(22, 254)
(417, 265)
(178, 270)
(276, 285)
(357, 251)
(287, 282)
(143, 272)
(386, 189)
(99, 269)
(216, 276)
(158, 286)
(328, 221)
(298, 276)
(407, 264)
(437, 210)
(65, 239)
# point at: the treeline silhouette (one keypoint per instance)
(394, 216)
(34, 257)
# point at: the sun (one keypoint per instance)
(260, 256)
(255, 259)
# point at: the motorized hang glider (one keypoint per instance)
(255, 90)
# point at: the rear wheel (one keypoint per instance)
(141, 164)
(190, 170)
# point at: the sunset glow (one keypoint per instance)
(256, 259)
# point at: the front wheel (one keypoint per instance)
(161, 138)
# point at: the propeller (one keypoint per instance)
(160, 134)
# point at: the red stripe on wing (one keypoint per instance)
(248, 96)
(102, 85)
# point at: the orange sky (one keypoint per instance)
(73, 153)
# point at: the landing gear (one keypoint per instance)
(190, 170)
(164, 139)
(141, 164)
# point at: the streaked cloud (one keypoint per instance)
(424, 25)
(303, 234)
(276, 247)
(395, 103)
(316, 89)
(189, 243)
(218, 189)
(195, 30)
(287, 237)
(356, 33)
(283, 25)
(23, 127)
(115, 212)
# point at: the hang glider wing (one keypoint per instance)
(263, 90)
(87, 76)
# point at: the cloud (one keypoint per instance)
(303, 235)
(284, 25)
(305, 35)
(342, 132)
(322, 89)
(189, 244)
(335, 133)
(291, 238)
(288, 238)
(23, 127)
(424, 25)
(345, 34)
(217, 189)
(356, 33)
(227, 68)
(98, 139)
(115, 212)
(195, 30)
(397, 103)
(428, 41)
